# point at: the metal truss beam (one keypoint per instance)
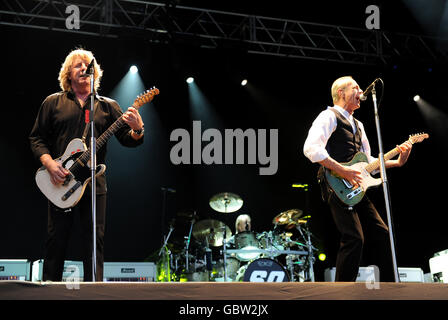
(164, 22)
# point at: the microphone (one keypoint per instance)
(363, 96)
(89, 69)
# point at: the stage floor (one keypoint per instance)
(232, 291)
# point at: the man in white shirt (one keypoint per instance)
(334, 138)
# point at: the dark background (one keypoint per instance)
(284, 94)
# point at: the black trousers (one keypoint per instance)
(60, 224)
(359, 226)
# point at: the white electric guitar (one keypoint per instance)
(76, 159)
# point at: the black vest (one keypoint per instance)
(343, 143)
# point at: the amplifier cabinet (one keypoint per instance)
(73, 271)
(112, 271)
(369, 274)
(130, 271)
(438, 265)
(15, 269)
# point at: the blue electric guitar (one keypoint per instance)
(346, 192)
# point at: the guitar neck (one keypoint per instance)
(376, 164)
(101, 141)
(416, 138)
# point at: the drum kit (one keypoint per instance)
(210, 252)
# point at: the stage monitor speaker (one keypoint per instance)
(438, 265)
(113, 271)
(368, 274)
(130, 271)
(15, 269)
(73, 271)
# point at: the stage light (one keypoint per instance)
(133, 69)
(244, 82)
(190, 80)
(416, 98)
(303, 186)
(322, 256)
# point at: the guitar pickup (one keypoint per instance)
(71, 191)
(347, 184)
(354, 193)
(67, 180)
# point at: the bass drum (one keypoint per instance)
(263, 270)
(233, 264)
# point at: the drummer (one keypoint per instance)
(242, 223)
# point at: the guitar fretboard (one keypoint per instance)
(376, 164)
(85, 157)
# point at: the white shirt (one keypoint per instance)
(322, 128)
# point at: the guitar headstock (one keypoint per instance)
(418, 137)
(145, 97)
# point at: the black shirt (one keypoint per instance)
(61, 119)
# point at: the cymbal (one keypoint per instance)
(226, 202)
(287, 216)
(212, 231)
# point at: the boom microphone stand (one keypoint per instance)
(90, 73)
(385, 185)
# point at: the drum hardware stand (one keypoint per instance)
(224, 253)
(187, 245)
(310, 257)
(385, 183)
(164, 191)
(290, 265)
(167, 251)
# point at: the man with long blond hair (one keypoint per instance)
(60, 119)
(334, 138)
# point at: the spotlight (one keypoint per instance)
(190, 80)
(133, 69)
(322, 257)
(416, 98)
(244, 82)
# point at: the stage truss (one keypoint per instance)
(166, 22)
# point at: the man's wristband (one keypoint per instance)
(139, 132)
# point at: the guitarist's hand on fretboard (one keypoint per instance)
(405, 150)
(133, 119)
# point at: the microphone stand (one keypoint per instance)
(93, 170)
(385, 186)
